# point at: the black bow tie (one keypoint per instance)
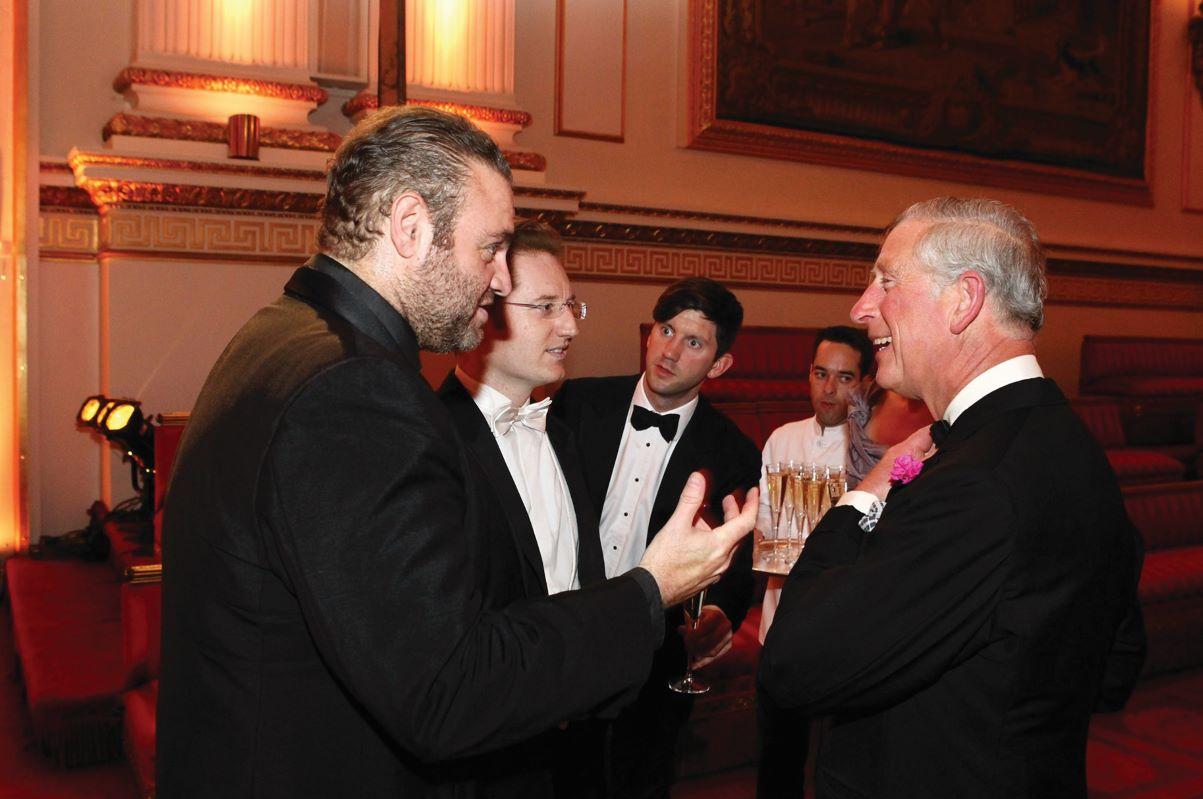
(642, 419)
(940, 431)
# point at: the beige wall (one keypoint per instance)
(166, 321)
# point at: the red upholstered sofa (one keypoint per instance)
(87, 641)
(1158, 383)
(1131, 464)
(1142, 367)
(1170, 518)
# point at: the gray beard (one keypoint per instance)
(441, 317)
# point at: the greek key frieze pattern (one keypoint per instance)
(131, 230)
(664, 264)
(68, 233)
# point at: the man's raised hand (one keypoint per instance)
(686, 555)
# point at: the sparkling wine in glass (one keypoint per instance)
(690, 683)
(775, 479)
(813, 489)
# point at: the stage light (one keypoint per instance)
(90, 411)
(122, 422)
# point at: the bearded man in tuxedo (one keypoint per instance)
(957, 627)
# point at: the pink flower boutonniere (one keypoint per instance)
(905, 469)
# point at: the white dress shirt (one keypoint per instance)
(643, 456)
(1012, 370)
(803, 443)
(539, 479)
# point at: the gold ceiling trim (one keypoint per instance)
(79, 160)
(124, 124)
(138, 76)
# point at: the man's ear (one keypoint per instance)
(410, 228)
(722, 364)
(970, 297)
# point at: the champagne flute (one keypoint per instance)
(813, 490)
(690, 683)
(837, 484)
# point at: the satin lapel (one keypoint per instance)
(602, 420)
(479, 442)
(325, 292)
(590, 563)
(688, 453)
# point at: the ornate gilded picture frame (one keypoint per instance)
(1041, 95)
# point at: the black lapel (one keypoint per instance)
(591, 566)
(327, 284)
(687, 455)
(481, 446)
(1022, 394)
(600, 431)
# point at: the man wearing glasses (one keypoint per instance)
(542, 529)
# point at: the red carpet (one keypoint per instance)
(1152, 750)
(24, 772)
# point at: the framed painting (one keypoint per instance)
(1041, 95)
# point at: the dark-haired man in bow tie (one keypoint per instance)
(957, 623)
(640, 436)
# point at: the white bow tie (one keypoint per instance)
(532, 415)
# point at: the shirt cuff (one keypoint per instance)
(861, 500)
(655, 602)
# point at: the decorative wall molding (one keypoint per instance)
(710, 239)
(648, 263)
(124, 124)
(1195, 34)
(591, 75)
(731, 219)
(1076, 284)
(61, 198)
(132, 232)
(500, 123)
(137, 76)
(79, 160)
(68, 235)
(107, 194)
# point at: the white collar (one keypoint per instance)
(684, 411)
(488, 399)
(1022, 367)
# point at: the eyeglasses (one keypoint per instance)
(551, 310)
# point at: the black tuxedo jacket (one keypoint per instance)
(597, 409)
(960, 647)
(327, 625)
(515, 565)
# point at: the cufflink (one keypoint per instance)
(869, 520)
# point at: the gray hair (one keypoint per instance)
(994, 240)
(398, 149)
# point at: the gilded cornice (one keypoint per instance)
(107, 194)
(64, 198)
(523, 160)
(703, 216)
(81, 160)
(137, 76)
(124, 124)
(365, 101)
